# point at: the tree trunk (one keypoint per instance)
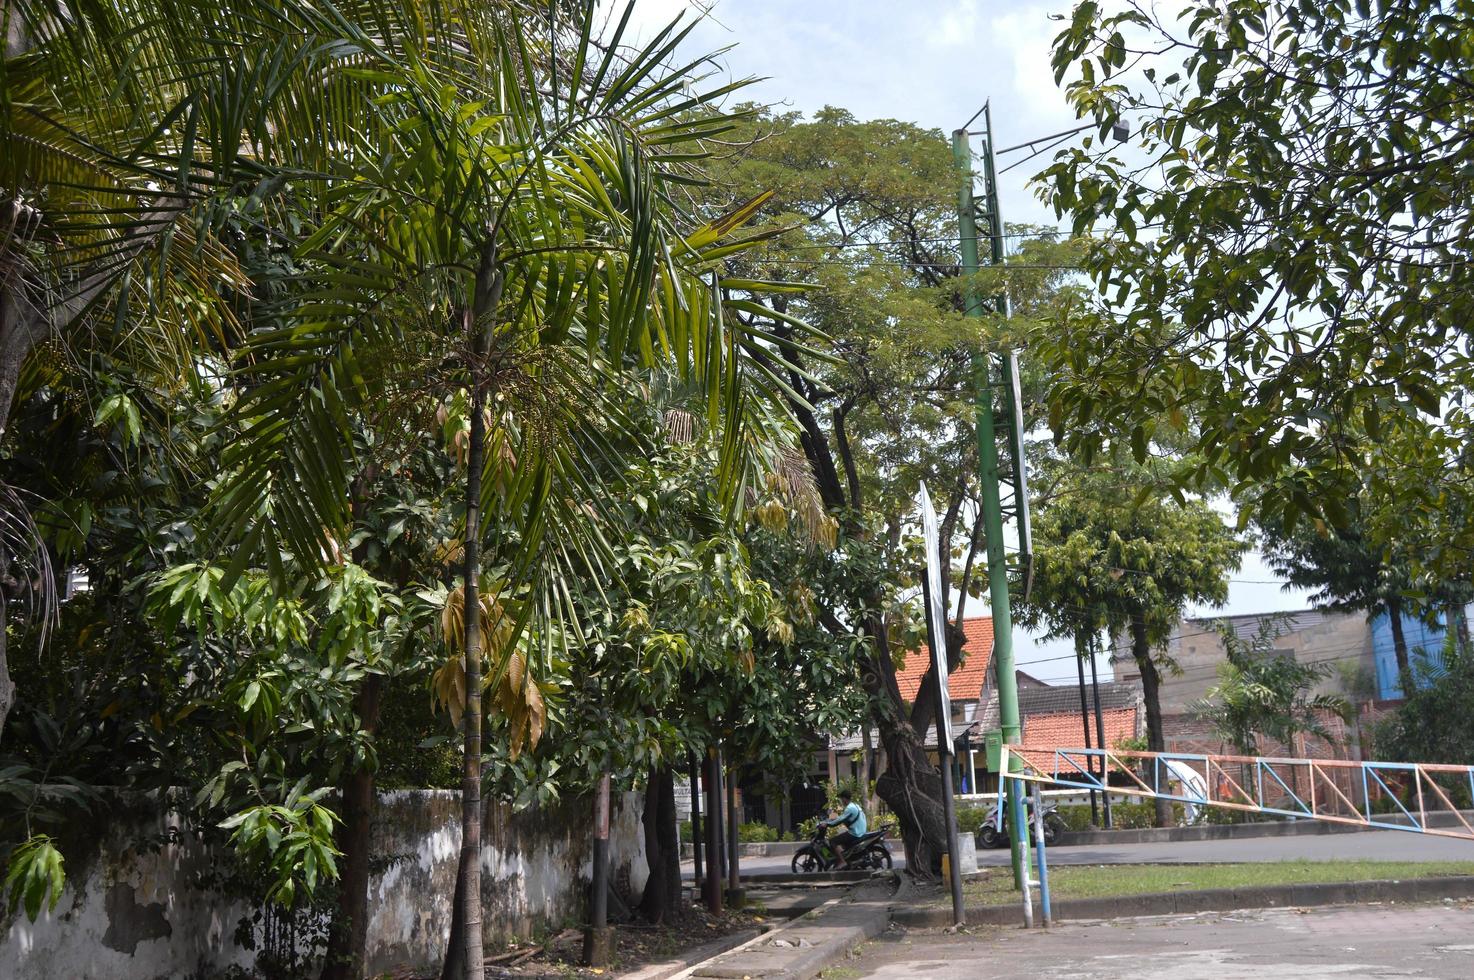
(911, 786)
(715, 872)
(467, 917)
(7, 686)
(1151, 693)
(661, 900)
(348, 939)
(1399, 646)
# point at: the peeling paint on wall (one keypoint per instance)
(136, 913)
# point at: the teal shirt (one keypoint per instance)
(852, 818)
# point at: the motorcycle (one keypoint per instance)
(990, 836)
(868, 853)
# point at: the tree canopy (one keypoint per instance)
(1284, 273)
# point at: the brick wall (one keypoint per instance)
(1187, 733)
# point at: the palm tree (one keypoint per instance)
(507, 225)
(104, 195)
(477, 197)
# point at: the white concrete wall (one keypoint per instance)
(134, 910)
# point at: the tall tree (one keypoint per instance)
(867, 211)
(1114, 549)
(101, 203)
(510, 229)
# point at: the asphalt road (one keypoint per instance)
(1376, 845)
(1346, 943)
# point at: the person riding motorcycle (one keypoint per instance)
(852, 818)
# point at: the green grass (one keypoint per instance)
(1098, 881)
(840, 973)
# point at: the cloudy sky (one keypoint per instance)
(932, 62)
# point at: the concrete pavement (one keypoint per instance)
(1374, 845)
(1342, 943)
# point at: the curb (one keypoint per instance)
(1208, 900)
(776, 848)
(669, 968)
(788, 878)
(1241, 831)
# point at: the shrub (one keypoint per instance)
(757, 833)
(970, 818)
(685, 832)
(1218, 815)
(1124, 816)
(1075, 816)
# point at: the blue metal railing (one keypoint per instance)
(1301, 784)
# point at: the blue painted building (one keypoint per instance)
(1424, 652)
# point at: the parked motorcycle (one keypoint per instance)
(868, 853)
(990, 836)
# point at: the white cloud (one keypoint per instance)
(957, 26)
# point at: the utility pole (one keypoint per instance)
(698, 841)
(1105, 768)
(1080, 646)
(988, 468)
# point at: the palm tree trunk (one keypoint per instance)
(467, 916)
(469, 875)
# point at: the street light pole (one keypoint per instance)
(988, 473)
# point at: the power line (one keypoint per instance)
(917, 265)
(1348, 653)
(1040, 235)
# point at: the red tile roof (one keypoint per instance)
(966, 682)
(1063, 731)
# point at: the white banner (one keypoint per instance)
(937, 615)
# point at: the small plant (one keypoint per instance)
(35, 876)
(291, 843)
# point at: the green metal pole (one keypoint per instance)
(988, 475)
